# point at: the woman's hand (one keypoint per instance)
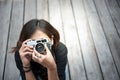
(26, 53)
(46, 60)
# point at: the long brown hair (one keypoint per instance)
(31, 26)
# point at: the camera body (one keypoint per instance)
(39, 45)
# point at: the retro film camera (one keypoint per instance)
(39, 45)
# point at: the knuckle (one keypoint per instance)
(21, 55)
(33, 58)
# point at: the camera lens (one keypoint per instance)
(40, 47)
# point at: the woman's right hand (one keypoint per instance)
(26, 53)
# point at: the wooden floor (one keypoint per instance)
(89, 28)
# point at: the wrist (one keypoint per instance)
(52, 68)
(26, 65)
(26, 69)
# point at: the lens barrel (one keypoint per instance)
(40, 47)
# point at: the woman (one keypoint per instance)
(34, 65)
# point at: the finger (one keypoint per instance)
(26, 54)
(34, 57)
(24, 42)
(30, 47)
(27, 49)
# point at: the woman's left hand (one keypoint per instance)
(46, 60)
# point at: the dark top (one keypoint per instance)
(39, 71)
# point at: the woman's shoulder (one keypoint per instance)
(61, 48)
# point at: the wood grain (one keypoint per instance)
(42, 9)
(30, 11)
(72, 41)
(114, 10)
(110, 31)
(87, 45)
(11, 71)
(5, 13)
(102, 47)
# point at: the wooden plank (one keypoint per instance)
(102, 48)
(118, 1)
(87, 45)
(55, 17)
(5, 10)
(67, 72)
(56, 21)
(114, 10)
(42, 9)
(11, 71)
(30, 10)
(77, 70)
(111, 33)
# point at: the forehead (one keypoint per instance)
(38, 35)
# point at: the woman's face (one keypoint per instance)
(39, 35)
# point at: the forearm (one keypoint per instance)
(29, 75)
(52, 74)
